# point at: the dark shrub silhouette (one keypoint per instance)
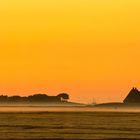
(3, 98)
(39, 98)
(63, 96)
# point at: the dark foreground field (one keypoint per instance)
(77, 139)
(68, 125)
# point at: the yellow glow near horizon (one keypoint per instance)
(88, 48)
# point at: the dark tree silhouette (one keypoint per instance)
(3, 98)
(42, 98)
(63, 96)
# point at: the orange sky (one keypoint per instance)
(87, 48)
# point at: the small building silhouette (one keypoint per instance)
(133, 96)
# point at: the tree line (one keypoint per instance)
(62, 97)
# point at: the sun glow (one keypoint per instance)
(88, 48)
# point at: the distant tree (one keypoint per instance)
(37, 97)
(14, 98)
(63, 96)
(34, 98)
(3, 98)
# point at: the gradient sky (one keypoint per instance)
(87, 48)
